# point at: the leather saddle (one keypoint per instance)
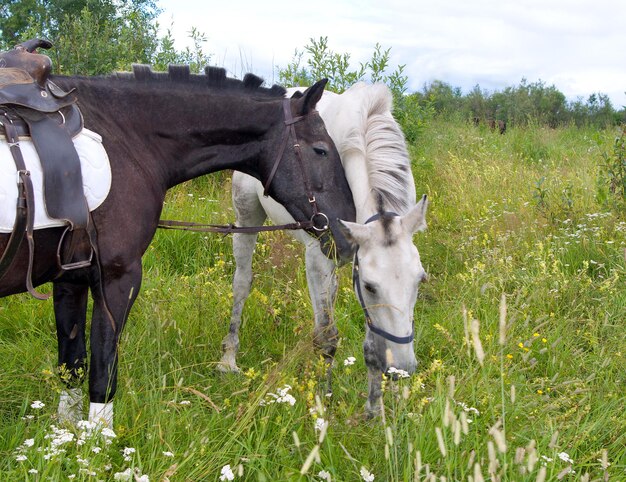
(31, 105)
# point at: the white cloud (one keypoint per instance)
(575, 44)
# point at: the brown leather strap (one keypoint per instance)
(27, 198)
(229, 228)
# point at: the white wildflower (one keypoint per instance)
(366, 475)
(349, 361)
(128, 452)
(168, 454)
(227, 473)
(123, 476)
(324, 475)
(37, 405)
(320, 424)
(33, 471)
(184, 402)
(282, 396)
(21, 458)
(398, 372)
(96, 450)
(107, 433)
(29, 442)
(565, 457)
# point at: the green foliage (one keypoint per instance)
(612, 175)
(546, 398)
(321, 62)
(520, 106)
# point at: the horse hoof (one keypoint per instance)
(227, 368)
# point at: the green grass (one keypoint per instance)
(516, 215)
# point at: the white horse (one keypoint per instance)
(387, 266)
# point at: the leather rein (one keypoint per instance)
(356, 281)
(290, 132)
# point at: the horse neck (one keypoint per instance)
(368, 141)
(174, 135)
(355, 167)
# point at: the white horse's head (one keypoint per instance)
(388, 272)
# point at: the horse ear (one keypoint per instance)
(415, 219)
(312, 95)
(355, 233)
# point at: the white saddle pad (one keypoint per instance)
(96, 173)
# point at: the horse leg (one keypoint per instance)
(249, 212)
(322, 280)
(70, 310)
(375, 392)
(120, 290)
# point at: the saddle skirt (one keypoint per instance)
(96, 174)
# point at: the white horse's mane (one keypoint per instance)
(378, 137)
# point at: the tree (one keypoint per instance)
(90, 36)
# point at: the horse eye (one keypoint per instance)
(320, 152)
(370, 288)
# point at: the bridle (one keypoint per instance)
(289, 132)
(356, 281)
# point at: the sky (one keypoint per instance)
(579, 46)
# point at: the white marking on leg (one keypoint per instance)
(101, 414)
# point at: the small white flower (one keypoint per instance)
(282, 396)
(565, 457)
(33, 471)
(86, 425)
(320, 424)
(227, 473)
(349, 361)
(168, 454)
(37, 405)
(324, 475)
(400, 373)
(366, 475)
(142, 478)
(96, 450)
(184, 402)
(128, 452)
(108, 433)
(29, 442)
(123, 476)
(21, 458)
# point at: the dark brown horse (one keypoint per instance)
(161, 129)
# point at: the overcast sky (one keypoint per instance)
(577, 45)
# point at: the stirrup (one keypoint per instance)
(76, 264)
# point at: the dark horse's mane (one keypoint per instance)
(213, 77)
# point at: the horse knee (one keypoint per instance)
(325, 339)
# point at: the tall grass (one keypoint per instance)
(519, 334)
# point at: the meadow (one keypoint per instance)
(519, 335)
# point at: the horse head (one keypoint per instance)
(312, 184)
(388, 272)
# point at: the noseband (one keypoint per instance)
(356, 281)
(290, 131)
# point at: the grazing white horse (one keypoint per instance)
(387, 267)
